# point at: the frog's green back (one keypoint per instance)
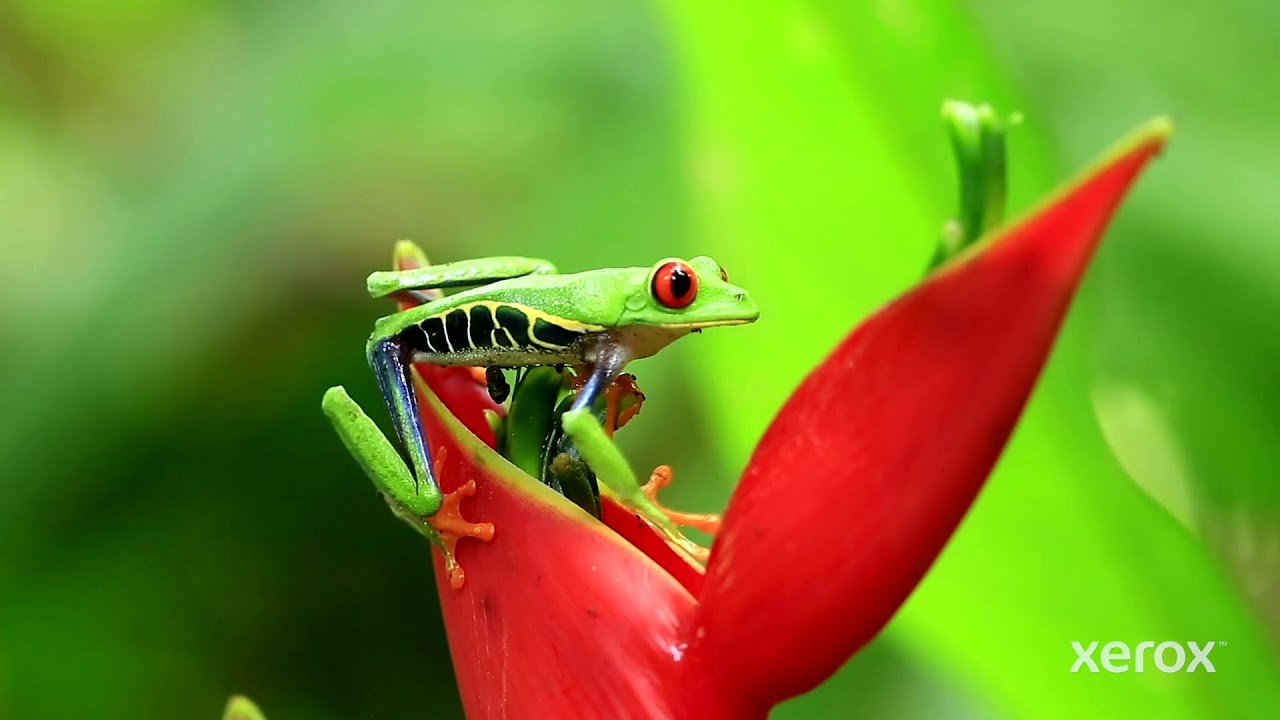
(543, 319)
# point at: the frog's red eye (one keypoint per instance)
(724, 275)
(675, 285)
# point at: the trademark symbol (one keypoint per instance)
(1222, 643)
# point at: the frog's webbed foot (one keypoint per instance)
(450, 527)
(661, 477)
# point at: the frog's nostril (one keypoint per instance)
(740, 297)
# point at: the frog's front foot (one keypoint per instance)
(620, 482)
(661, 477)
(706, 522)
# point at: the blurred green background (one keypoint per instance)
(191, 194)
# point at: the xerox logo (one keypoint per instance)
(1169, 657)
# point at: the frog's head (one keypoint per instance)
(679, 297)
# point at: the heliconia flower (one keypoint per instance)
(850, 496)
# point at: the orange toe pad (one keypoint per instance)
(452, 527)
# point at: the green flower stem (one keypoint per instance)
(978, 140)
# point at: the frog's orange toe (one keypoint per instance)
(452, 527)
(661, 477)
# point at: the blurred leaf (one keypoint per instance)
(822, 203)
(240, 707)
(1186, 350)
(190, 212)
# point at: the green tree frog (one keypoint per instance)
(519, 312)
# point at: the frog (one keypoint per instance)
(521, 312)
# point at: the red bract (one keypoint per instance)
(554, 603)
(847, 501)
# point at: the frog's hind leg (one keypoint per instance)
(465, 273)
(389, 359)
(408, 256)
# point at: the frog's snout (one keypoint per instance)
(745, 307)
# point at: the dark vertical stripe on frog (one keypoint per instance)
(552, 334)
(416, 339)
(515, 323)
(455, 326)
(481, 327)
(433, 329)
(501, 338)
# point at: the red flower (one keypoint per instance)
(848, 499)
